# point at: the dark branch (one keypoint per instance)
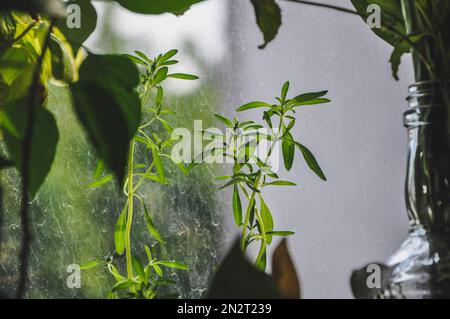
(25, 165)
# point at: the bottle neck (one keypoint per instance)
(428, 172)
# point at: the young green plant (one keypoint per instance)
(140, 281)
(253, 172)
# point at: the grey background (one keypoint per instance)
(358, 215)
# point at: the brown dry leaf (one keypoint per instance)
(284, 273)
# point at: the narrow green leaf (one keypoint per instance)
(159, 165)
(166, 125)
(123, 285)
(170, 62)
(237, 206)
(312, 102)
(151, 226)
(87, 22)
(149, 253)
(113, 270)
(401, 48)
(224, 120)
(159, 95)
(311, 161)
(288, 148)
(280, 233)
(137, 267)
(119, 231)
(135, 59)
(177, 7)
(102, 181)
(158, 270)
(152, 177)
(99, 169)
(91, 264)
(307, 97)
(233, 181)
(183, 169)
(284, 91)
(107, 86)
(267, 219)
(252, 105)
(168, 55)
(173, 264)
(5, 163)
(144, 57)
(280, 183)
(183, 76)
(44, 141)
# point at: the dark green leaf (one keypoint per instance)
(173, 264)
(135, 59)
(307, 97)
(43, 144)
(99, 169)
(80, 22)
(312, 102)
(268, 18)
(108, 107)
(177, 7)
(391, 16)
(168, 55)
(63, 62)
(281, 233)
(5, 163)
(403, 47)
(311, 161)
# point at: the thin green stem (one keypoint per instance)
(141, 180)
(246, 221)
(247, 215)
(131, 192)
(130, 210)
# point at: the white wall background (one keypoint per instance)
(358, 215)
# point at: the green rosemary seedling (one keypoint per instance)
(140, 281)
(253, 171)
